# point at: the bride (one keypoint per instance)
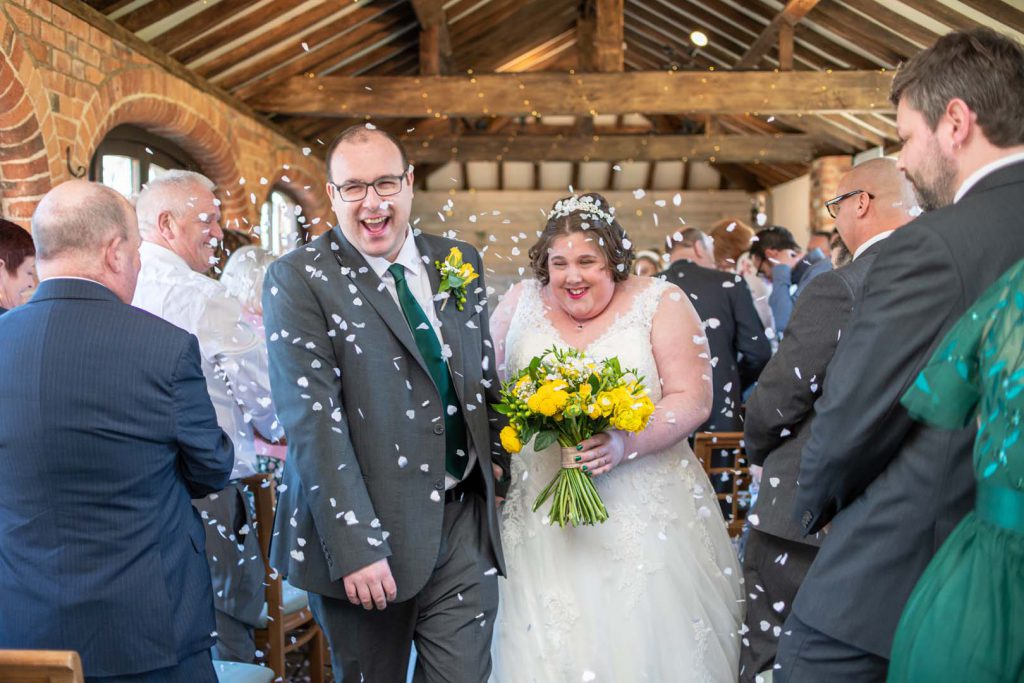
(653, 593)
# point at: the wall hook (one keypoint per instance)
(75, 172)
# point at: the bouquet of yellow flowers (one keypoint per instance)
(567, 397)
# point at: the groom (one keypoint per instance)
(387, 513)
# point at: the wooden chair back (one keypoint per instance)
(284, 633)
(40, 666)
(725, 462)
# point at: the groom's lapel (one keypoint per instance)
(451, 317)
(373, 291)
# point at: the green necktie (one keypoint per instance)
(430, 349)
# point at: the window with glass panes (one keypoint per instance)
(129, 157)
(280, 222)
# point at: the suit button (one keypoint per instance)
(439, 429)
(439, 484)
(807, 518)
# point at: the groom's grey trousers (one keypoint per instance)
(451, 619)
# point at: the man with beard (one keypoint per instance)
(891, 488)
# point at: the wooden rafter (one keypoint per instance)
(1009, 14)
(192, 28)
(791, 14)
(237, 28)
(724, 148)
(287, 38)
(347, 38)
(435, 43)
(600, 31)
(150, 13)
(529, 94)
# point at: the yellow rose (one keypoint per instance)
(510, 440)
(628, 420)
(455, 257)
(606, 402)
(593, 411)
(549, 399)
(467, 273)
(585, 390)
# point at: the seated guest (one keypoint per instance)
(243, 276)
(179, 218)
(732, 240)
(106, 432)
(781, 408)
(17, 265)
(821, 240)
(739, 347)
(777, 256)
(646, 263)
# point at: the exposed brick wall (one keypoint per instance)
(826, 172)
(64, 84)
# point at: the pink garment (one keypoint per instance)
(263, 447)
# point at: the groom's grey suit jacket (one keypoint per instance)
(780, 411)
(365, 474)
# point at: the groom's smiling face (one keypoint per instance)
(375, 225)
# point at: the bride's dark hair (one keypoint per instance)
(570, 215)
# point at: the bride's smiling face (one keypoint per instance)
(579, 277)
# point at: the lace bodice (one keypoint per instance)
(628, 336)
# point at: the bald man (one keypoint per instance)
(106, 432)
(874, 200)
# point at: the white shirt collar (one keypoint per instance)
(152, 250)
(874, 240)
(408, 256)
(990, 167)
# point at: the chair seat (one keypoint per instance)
(236, 672)
(292, 600)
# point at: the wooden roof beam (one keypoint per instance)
(791, 14)
(435, 42)
(150, 13)
(531, 94)
(600, 35)
(717, 148)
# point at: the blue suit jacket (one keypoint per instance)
(106, 432)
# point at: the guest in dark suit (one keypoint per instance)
(735, 335)
(17, 265)
(891, 488)
(777, 256)
(874, 199)
(105, 435)
(388, 517)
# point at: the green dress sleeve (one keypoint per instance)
(946, 392)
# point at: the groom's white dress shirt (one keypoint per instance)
(234, 355)
(418, 279)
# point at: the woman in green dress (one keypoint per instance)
(965, 619)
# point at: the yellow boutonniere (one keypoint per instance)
(455, 275)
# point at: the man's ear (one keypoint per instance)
(113, 257)
(961, 120)
(166, 225)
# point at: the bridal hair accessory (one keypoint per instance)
(586, 205)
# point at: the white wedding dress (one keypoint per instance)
(653, 594)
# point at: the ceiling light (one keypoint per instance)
(698, 38)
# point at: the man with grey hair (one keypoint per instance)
(737, 340)
(179, 218)
(106, 432)
(893, 489)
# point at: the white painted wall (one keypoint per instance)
(791, 207)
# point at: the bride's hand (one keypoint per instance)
(602, 452)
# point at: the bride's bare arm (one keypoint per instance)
(501, 319)
(683, 360)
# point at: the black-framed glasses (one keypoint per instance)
(833, 204)
(355, 191)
